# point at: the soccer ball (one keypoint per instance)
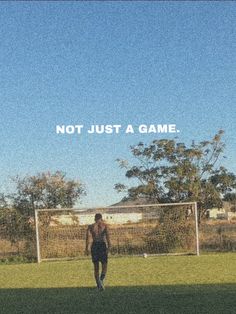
(145, 255)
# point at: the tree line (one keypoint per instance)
(164, 171)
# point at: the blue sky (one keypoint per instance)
(111, 63)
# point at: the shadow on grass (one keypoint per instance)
(138, 299)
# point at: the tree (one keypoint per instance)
(13, 226)
(168, 171)
(45, 190)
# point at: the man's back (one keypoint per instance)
(98, 231)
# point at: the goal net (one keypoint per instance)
(134, 230)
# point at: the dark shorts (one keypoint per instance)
(99, 252)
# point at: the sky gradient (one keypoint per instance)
(111, 63)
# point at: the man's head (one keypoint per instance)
(98, 217)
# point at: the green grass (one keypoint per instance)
(181, 284)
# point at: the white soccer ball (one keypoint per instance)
(145, 255)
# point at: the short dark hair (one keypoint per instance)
(98, 216)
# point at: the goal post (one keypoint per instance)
(154, 229)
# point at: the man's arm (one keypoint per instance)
(108, 237)
(87, 241)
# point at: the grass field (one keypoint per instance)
(173, 284)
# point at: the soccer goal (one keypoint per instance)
(153, 229)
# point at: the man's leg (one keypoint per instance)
(96, 273)
(103, 274)
(104, 258)
(104, 271)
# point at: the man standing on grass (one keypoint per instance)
(99, 248)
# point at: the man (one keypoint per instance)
(99, 248)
